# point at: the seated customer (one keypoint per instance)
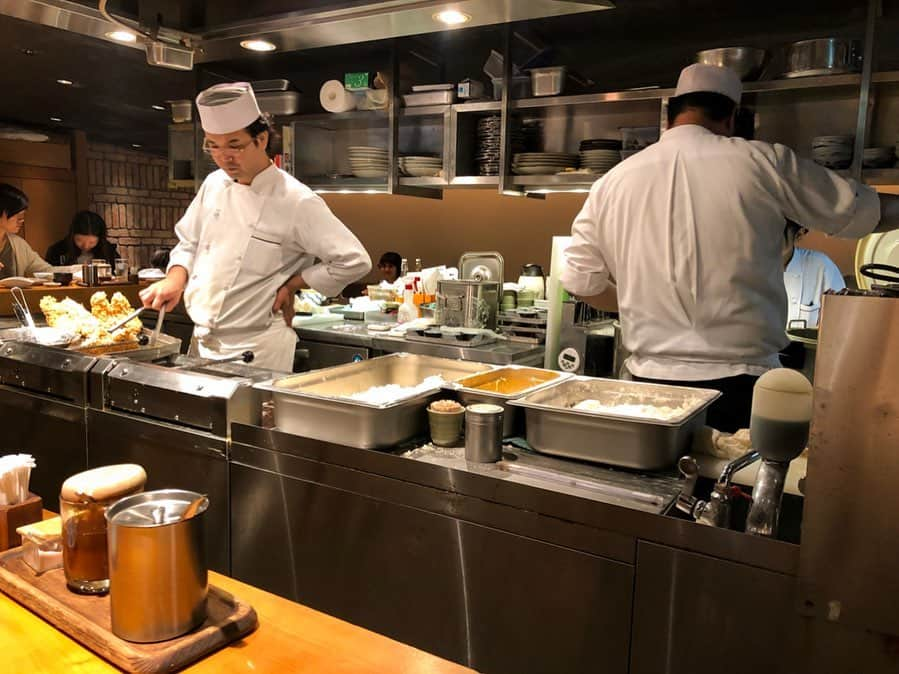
(389, 266)
(17, 258)
(808, 275)
(86, 242)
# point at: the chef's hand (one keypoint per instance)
(167, 292)
(284, 298)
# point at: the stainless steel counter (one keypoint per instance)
(356, 334)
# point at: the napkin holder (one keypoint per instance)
(14, 516)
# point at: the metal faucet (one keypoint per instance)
(767, 494)
(716, 511)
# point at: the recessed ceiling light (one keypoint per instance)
(122, 36)
(56, 119)
(66, 83)
(452, 17)
(161, 108)
(136, 146)
(258, 45)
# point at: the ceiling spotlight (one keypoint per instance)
(66, 83)
(258, 45)
(161, 108)
(56, 119)
(452, 17)
(122, 36)
(136, 146)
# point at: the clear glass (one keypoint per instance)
(121, 267)
(85, 559)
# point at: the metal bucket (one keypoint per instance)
(157, 565)
(467, 304)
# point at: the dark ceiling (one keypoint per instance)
(113, 91)
(642, 42)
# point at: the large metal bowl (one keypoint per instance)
(824, 56)
(747, 62)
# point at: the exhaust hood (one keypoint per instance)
(329, 24)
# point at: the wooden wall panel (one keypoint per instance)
(51, 207)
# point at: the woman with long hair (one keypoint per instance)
(85, 242)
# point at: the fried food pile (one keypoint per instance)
(90, 326)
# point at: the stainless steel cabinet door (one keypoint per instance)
(52, 432)
(694, 613)
(176, 458)
(496, 601)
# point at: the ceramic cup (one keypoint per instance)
(446, 427)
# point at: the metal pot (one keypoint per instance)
(747, 62)
(467, 304)
(826, 56)
(157, 565)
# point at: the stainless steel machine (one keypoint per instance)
(849, 556)
(44, 394)
(174, 419)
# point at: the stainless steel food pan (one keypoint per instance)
(485, 388)
(313, 405)
(553, 427)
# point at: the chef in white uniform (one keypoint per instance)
(251, 238)
(689, 232)
(808, 274)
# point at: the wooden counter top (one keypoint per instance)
(78, 293)
(290, 638)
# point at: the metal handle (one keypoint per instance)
(159, 319)
(689, 469)
(121, 324)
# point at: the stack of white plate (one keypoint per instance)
(599, 161)
(878, 157)
(834, 152)
(421, 167)
(542, 163)
(367, 161)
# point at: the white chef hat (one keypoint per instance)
(226, 108)
(714, 79)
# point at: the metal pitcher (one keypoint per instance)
(157, 565)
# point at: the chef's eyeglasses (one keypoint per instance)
(228, 151)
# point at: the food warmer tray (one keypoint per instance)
(468, 392)
(553, 427)
(310, 404)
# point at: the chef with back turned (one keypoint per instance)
(252, 237)
(689, 232)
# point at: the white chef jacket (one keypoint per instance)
(240, 243)
(690, 231)
(807, 277)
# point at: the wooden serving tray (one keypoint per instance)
(86, 619)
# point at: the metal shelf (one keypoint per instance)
(564, 180)
(343, 184)
(478, 106)
(425, 110)
(475, 181)
(423, 182)
(650, 94)
(333, 120)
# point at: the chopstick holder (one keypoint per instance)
(14, 516)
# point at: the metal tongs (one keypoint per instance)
(134, 314)
(122, 323)
(20, 307)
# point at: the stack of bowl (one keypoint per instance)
(419, 166)
(878, 157)
(834, 152)
(600, 154)
(367, 161)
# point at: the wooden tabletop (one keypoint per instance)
(78, 293)
(290, 638)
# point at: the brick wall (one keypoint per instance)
(130, 190)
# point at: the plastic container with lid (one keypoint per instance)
(83, 500)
